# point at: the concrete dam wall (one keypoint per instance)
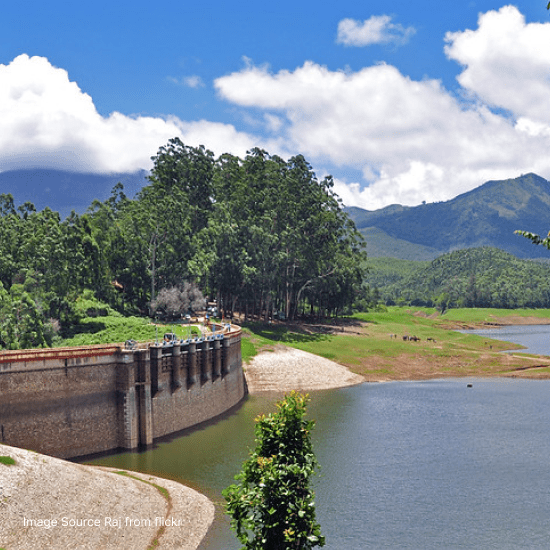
(69, 402)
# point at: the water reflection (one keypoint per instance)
(430, 464)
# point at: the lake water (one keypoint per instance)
(535, 338)
(405, 465)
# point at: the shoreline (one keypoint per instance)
(285, 369)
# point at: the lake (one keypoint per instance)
(405, 465)
(535, 338)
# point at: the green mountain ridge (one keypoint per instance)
(471, 277)
(485, 216)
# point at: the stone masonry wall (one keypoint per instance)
(78, 401)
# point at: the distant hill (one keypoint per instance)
(485, 216)
(470, 277)
(65, 191)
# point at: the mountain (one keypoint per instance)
(485, 216)
(65, 191)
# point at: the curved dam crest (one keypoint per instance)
(70, 402)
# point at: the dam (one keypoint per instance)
(70, 402)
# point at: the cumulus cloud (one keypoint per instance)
(220, 138)
(414, 140)
(48, 121)
(418, 139)
(506, 62)
(377, 30)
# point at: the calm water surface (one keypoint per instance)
(535, 338)
(405, 465)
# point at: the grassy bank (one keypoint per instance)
(372, 344)
(111, 329)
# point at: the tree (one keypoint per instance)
(273, 507)
(534, 238)
(177, 300)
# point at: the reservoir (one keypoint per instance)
(535, 338)
(404, 465)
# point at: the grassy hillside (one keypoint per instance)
(381, 245)
(485, 216)
(366, 343)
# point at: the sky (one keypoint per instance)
(401, 102)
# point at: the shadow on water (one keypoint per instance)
(233, 411)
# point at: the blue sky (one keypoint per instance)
(401, 102)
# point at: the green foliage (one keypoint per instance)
(7, 460)
(87, 305)
(384, 272)
(108, 330)
(115, 328)
(273, 508)
(535, 239)
(22, 323)
(259, 234)
(474, 277)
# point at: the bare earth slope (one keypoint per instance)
(287, 369)
(94, 508)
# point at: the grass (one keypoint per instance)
(112, 328)
(365, 345)
(492, 315)
(362, 342)
(8, 461)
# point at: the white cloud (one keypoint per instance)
(506, 62)
(219, 138)
(191, 81)
(411, 140)
(377, 30)
(420, 141)
(47, 121)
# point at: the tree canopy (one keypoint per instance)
(259, 235)
(472, 277)
(273, 508)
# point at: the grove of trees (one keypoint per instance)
(258, 235)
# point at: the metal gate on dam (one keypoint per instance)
(69, 402)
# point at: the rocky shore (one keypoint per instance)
(48, 503)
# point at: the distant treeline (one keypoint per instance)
(258, 235)
(472, 277)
